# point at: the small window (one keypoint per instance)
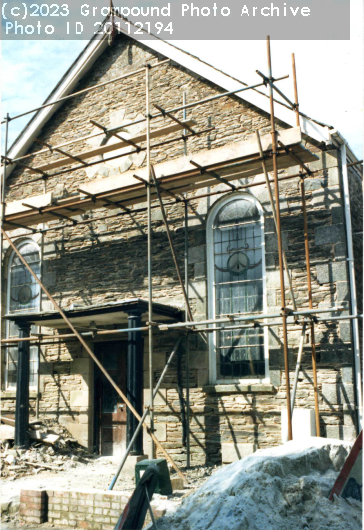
(24, 292)
(23, 296)
(236, 286)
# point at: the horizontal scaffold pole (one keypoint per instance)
(157, 115)
(51, 339)
(85, 90)
(234, 318)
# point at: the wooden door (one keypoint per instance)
(109, 405)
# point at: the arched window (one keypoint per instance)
(23, 296)
(236, 286)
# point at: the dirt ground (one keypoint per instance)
(95, 473)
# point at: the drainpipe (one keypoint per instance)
(353, 296)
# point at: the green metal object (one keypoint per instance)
(164, 486)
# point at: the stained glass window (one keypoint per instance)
(24, 291)
(23, 296)
(238, 288)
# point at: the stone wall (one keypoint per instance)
(106, 261)
(356, 208)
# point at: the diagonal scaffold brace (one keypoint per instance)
(171, 244)
(92, 355)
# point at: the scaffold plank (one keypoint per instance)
(165, 131)
(234, 161)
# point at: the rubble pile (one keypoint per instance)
(51, 448)
(282, 488)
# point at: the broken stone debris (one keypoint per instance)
(51, 448)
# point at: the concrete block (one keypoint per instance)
(201, 308)
(327, 197)
(157, 215)
(333, 175)
(78, 431)
(347, 374)
(338, 393)
(275, 377)
(345, 331)
(161, 431)
(131, 461)
(79, 398)
(334, 431)
(331, 272)
(49, 250)
(196, 254)
(273, 338)
(273, 280)
(160, 398)
(303, 424)
(80, 366)
(200, 270)
(327, 159)
(271, 298)
(350, 434)
(342, 292)
(325, 235)
(199, 215)
(177, 483)
(197, 290)
(314, 184)
(231, 452)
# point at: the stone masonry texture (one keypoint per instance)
(106, 261)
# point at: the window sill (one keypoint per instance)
(239, 389)
(11, 394)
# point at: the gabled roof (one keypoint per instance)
(98, 45)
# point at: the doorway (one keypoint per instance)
(110, 410)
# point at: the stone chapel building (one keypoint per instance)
(96, 267)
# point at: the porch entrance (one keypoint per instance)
(111, 412)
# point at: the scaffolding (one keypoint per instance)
(266, 156)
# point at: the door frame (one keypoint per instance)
(96, 445)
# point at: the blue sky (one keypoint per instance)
(330, 73)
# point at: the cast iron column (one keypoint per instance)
(21, 440)
(134, 380)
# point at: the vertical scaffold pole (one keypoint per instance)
(308, 264)
(279, 237)
(309, 288)
(150, 289)
(188, 462)
(2, 214)
(187, 345)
